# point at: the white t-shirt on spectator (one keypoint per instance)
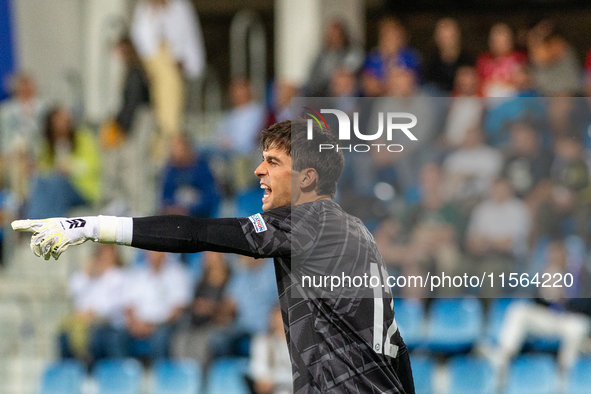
(479, 165)
(494, 221)
(175, 24)
(153, 296)
(269, 360)
(240, 127)
(101, 295)
(464, 113)
(20, 126)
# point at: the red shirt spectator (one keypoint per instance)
(497, 67)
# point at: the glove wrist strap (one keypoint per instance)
(113, 229)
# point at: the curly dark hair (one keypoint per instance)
(291, 137)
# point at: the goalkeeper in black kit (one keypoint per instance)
(342, 340)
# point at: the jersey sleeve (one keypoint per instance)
(268, 234)
(282, 231)
(184, 234)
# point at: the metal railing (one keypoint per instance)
(248, 50)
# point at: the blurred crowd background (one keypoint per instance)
(498, 182)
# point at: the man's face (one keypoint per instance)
(275, 177)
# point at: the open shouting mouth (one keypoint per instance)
(268, 192)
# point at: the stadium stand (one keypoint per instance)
(423, 369)
(226, 376)
(454, 325)
(531, 374)
(176, 377)
(410, 317)
(118, 376)
(470, 375)
(579, 378)
(63, 377)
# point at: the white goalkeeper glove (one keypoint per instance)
(51, 237)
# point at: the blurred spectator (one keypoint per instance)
(21, 119)
(471, 169)
(207, 311)
(555, 67)
(392, 51)
(503, 112)
(402, 81)
(126, 138)
(96, 293)
(281, 107)
(555, 209)
(69, 168)
(587, 76)
(449, 57)
(496, 68)
(238, 133)
(569, 168)
(465, 108)
(570, 174)
(465, 83)
(251, 305)
(270, 365)
(435, 226)
(570, 117)
(560, 115)
(154, 300)
(368, 184)
(338, 52)
(168, 38)
(136, 94)
(343, 87)
(499, 225)
(371, 84)
(497, 235)
(239, 128)
(556, 314)
(523, 81)
(391, 241)
(189, 187)
(407, 96)
(526, 163)
(21, 116)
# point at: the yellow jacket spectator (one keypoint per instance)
(69, 168)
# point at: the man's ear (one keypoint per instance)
(309, 179)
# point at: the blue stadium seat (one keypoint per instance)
(226, 376)
(422, 372)
(548, 344)
(579, 378)
(532, 374)
(471, 375)
(496, 315)
(118, 376)
(454, 324)
(176, 377)
(410, 317)
(64, 377)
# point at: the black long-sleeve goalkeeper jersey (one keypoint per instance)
(342, 339)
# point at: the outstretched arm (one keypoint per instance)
(184, 234)
(177, 234)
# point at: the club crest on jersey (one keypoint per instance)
(258, 223)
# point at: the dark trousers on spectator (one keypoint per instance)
(117, 342)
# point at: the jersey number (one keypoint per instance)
(378, 315)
